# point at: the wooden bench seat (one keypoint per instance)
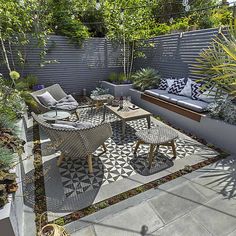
(173, 107)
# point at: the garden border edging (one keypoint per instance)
(11, 215)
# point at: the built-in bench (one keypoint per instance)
(185, 106)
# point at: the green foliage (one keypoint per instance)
(64, 21)
(12, 105)
(14, 75)
(26, 83)
(223, 109)
(218, 63)
(181, 24)
(161, 29)
(118, 78)
(99, 91)
(21, 21)
(146, 78)
(6, 158)
(222, 17)
(60, 221)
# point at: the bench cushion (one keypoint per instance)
(195, 105)
(156, 92)
(172, 98)
(165, 95)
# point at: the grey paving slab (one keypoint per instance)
(232, 233)
(220, 178)
(184, 226)
(177, 201)
(88, 231)
(29, 222)
(130, 222)
(217, 215)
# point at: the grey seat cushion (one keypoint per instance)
(75, 125)
(163, 94)
(195, 105)
(173, 98)
(156, 92)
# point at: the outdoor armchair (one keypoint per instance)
(57, 93)
(76, 143)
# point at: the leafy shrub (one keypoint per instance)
(6, 158)
(223, 109)
(146, 78)
(99, 91)
(161, 29)
(118, 78)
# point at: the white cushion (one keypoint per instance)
(187, 90)
(46, 99)
(169, 82)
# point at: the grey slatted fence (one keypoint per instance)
(173, 55)
(77, 67)
(83, 67)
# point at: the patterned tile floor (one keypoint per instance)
(119, 162)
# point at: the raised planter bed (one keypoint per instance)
(214, 131)
(11, 215)
(117, 90)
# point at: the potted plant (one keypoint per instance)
(118, 84)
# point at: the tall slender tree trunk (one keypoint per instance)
(11, 54)
(131, 60)
(5, 53)
(6, 58)
(124, 59)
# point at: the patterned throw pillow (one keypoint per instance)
(196, 91)
(163, 84)
(177, 86)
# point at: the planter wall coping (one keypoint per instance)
(120, 85)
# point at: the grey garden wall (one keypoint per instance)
(174, 54)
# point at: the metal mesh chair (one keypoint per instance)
(76, 143)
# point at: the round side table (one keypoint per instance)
(52, 116)
(99, 100)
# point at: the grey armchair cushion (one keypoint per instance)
(76, 125)
(67, 103)
(46, 99)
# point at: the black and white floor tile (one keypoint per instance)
(118, 162)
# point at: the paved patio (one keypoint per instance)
(154, 212)
(200, 203)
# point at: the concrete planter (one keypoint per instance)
(117, 90)
(217, 132)
(11, 215)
